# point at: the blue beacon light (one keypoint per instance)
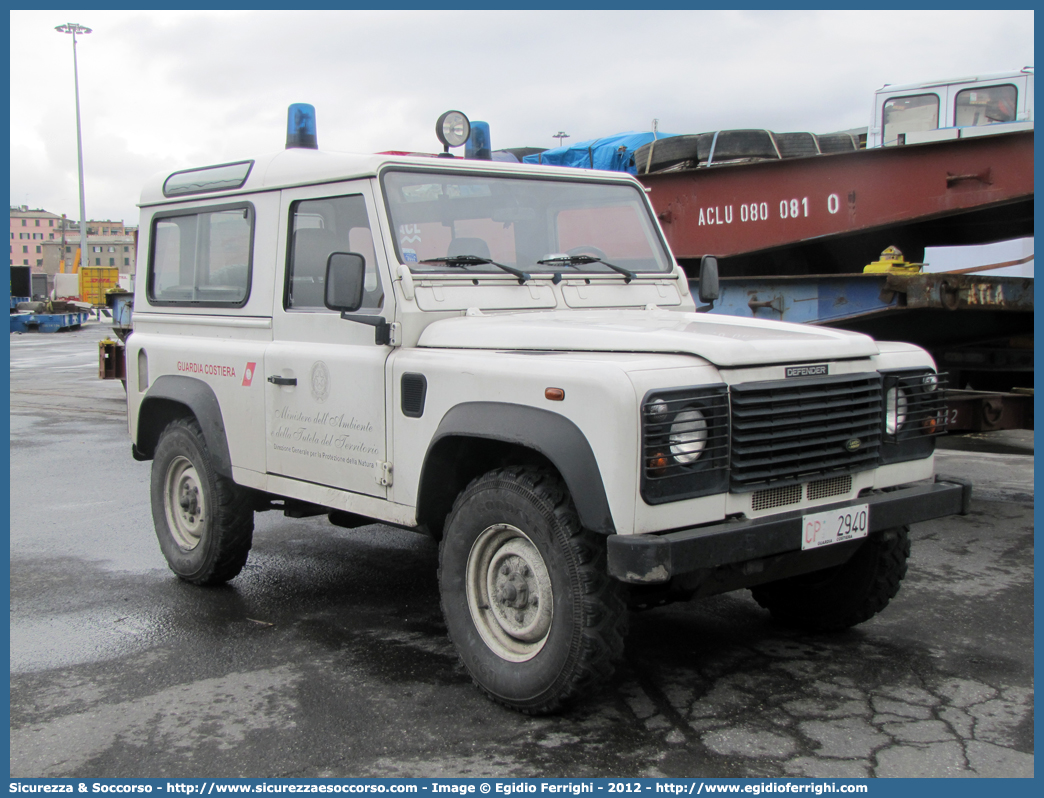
(477, 146)
(300, 127)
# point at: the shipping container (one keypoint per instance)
(95, 281)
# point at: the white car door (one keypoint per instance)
(325, 376)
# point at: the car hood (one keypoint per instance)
(726, 341)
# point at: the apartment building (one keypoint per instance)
(30, 231)
(37, 242)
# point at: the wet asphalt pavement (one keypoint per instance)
(328, 655)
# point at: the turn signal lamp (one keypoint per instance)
(300, 127)
(658, 464)
(554, 394)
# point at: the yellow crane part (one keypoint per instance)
(892, 260)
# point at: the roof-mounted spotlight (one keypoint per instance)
(453, 129)
(300, 127)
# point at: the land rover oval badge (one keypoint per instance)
(320, 381)
(853, 444)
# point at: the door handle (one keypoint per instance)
(282, 380)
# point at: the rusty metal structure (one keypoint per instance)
(832, 214)
(792, 237)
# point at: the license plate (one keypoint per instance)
(835, 526)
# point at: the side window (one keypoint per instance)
(201, 257)
(318, 228)
(985, 106)
(909, 114)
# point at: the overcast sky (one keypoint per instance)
(163, 90)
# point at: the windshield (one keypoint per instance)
(574, 226)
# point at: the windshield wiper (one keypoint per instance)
(579, 260)
(475, 260)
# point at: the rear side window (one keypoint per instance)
(910, 115)
(985, 106)
(202, 257)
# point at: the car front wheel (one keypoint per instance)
(525, 593)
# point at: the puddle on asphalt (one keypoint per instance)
(39, 644)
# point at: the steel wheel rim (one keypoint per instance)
(183, 503)
(509, 593)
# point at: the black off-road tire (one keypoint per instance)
(734, 145)
(503, 528)
(206, 529)
(796, 145)
(666, 152)
(838, 598)
(830, 143)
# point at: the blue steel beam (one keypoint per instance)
(813, 299)
(828, 299)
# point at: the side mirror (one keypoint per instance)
(345, 278)
(708, 278)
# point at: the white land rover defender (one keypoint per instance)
(508, 359)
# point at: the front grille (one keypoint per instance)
(770, 498)
(824, 488)
(790, 431)
(775, 497)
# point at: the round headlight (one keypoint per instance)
(453, 128)
(930, 382)
(688, 435)
(895, 410)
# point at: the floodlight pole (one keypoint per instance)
(74, 28)
(561, 136)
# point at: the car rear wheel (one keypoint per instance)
(204, 522)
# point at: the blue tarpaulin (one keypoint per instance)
(614, 153)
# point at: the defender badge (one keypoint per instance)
(807, 371)
(853, 444)
(320, 381)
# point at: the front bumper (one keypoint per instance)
(656, 559)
